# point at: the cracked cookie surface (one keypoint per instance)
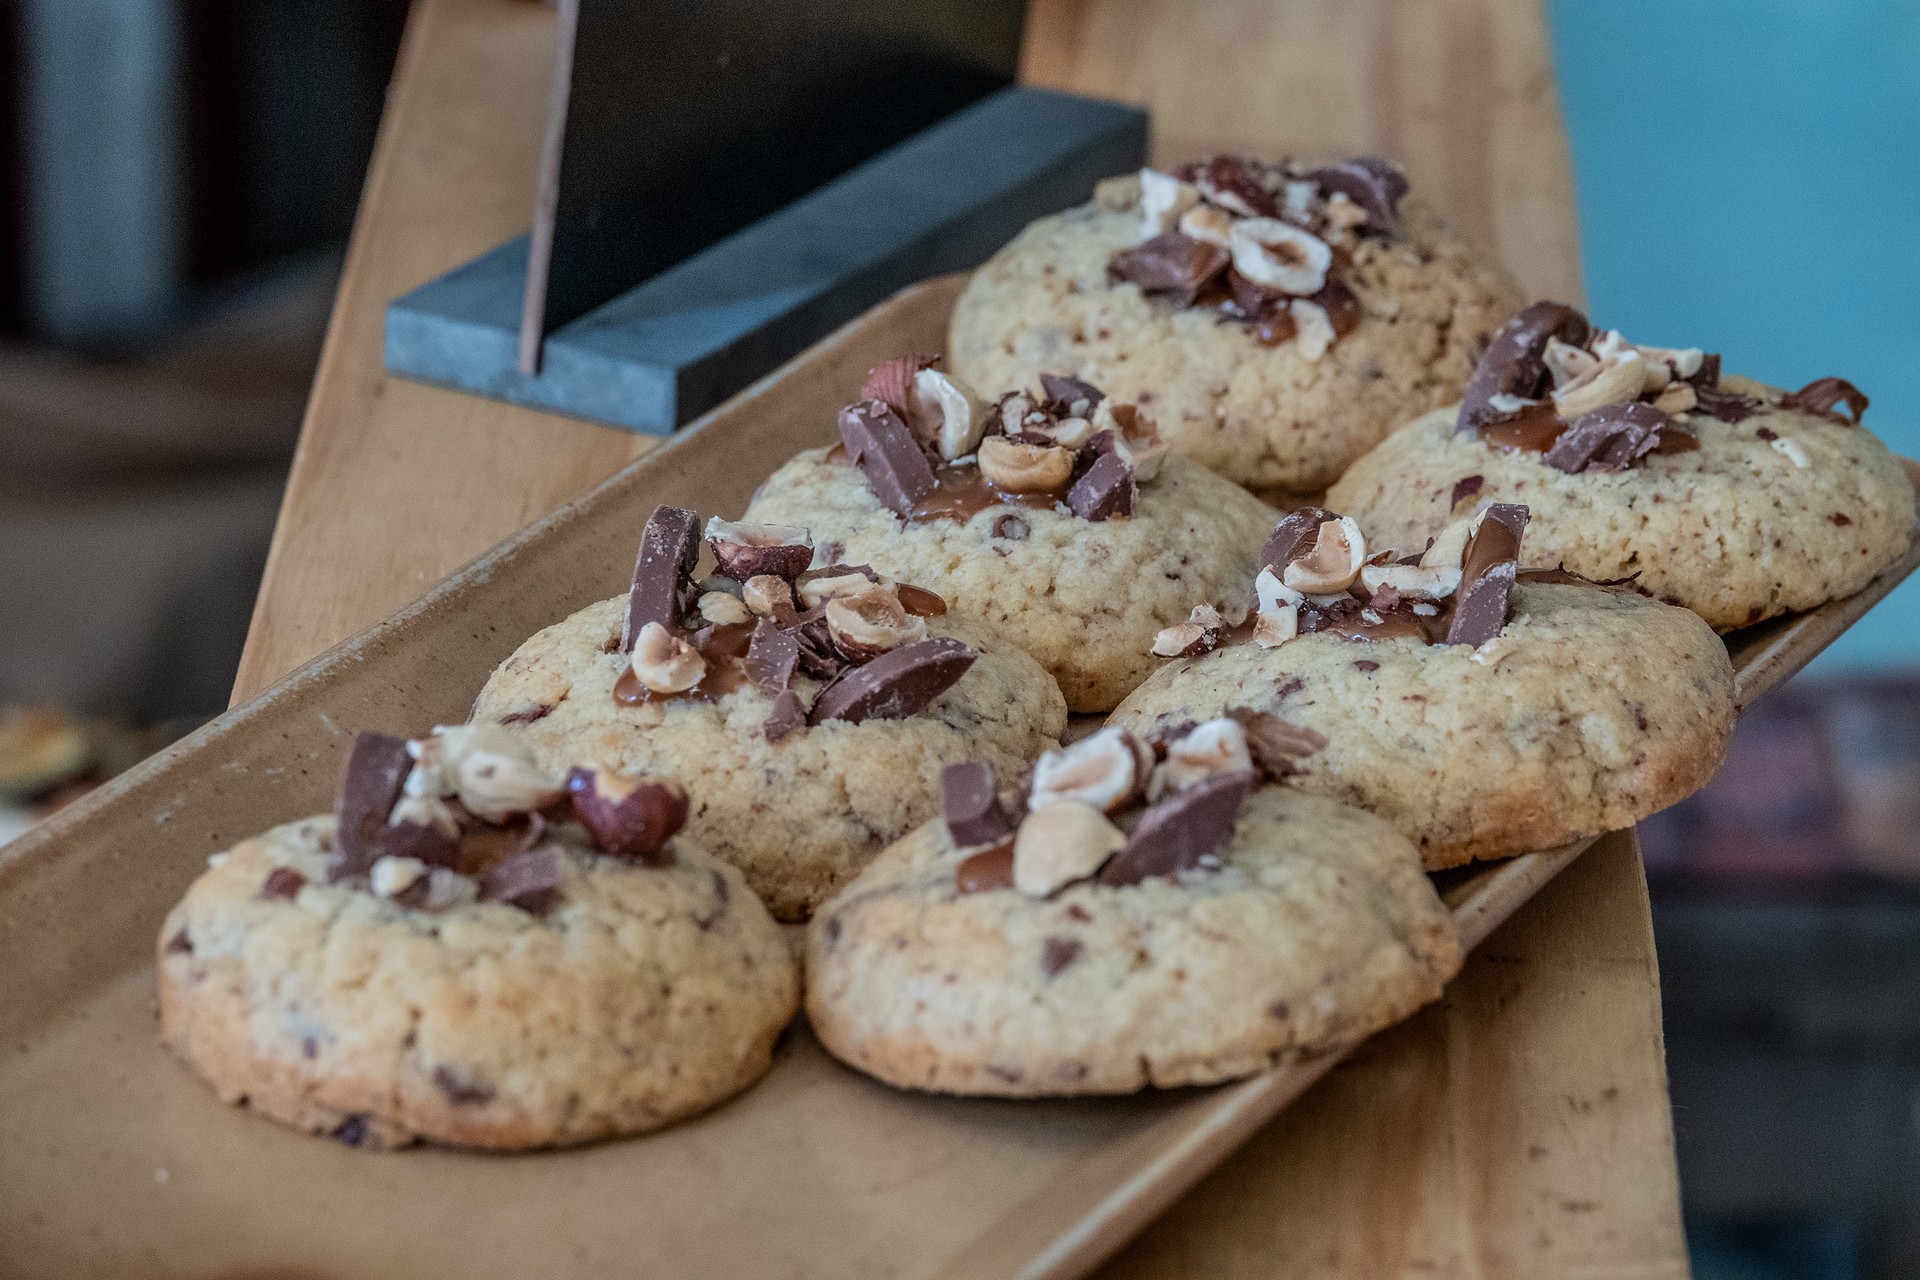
(647, 994)
(1319, 929)
(800, 816)
(1084, 597)
(1266, 417)
(1735, 530)
(1601, 708)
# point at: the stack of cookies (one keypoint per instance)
(1480, 618)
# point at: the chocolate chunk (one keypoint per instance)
(1374, 184)
(1610, 438)
(919, 601)
(628, 818)
(1011, 527)
(1236, 184)
(1820, 395)
(1057, 953)
(1342, 306)
(771, 657)
(529, 881)
(1512, 363)
(351, 1131)
(745, 551)
(890, 382)
(1294, 536)
(1170, 263)
(1487, 575)
(539, 711)
(460, 1091)
(1466, 487)
(819, 657)
(786, 715)
(1728, 406)
(282, 882)
(987, 870)
(1707, 376)
(970, 804)
(377, 767)
(181, 945)
(1107, 489)
(887, 455)
(669, 548)
(1183, 832)
(896, 684)
(1064, 395)
(1274, 743)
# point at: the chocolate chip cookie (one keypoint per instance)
(1736, 500)
(1146, 922)
(1052, 517)
(808, 708)
(1276, 319)
(1482, 708)
(408, 968)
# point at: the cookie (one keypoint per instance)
(1483, 710)
(554, 996)
(799, 777)
(1307, 925)
(1745, 504)
(1084, 595)
(1273, 349)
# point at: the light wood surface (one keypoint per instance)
(1521, 1127)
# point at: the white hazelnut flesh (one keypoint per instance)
(1059, 843)
(1618, 378)
(665, 663)
(817, 591)
(1280, 256)
(722, 608)
(865, 625)
(1105, 770)
(1449, 550)
(1210, 749)
(1024, 468)
(1278, 615)
(1313, 330)
(1411, 580)
(1207, 225)
(943, 411)
(1163, 198)
(763, 593)
(390, 876)
(1339, 550)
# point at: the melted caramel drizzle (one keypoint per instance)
(725, 651)
(1537, 427)
(961, 493)
(987, 870)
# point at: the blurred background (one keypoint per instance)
(181, 177)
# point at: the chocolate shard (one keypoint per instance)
(1487, 575)
(1610, 438)
(1183, 832)
(896, 684)
(1172, 264)
(426, 844)
(1373, 183)
(919, 601)
(282, 882)
(1707, 376)
(1512, 363)
(627, 817)
(669, 548)
(1342, 306)
(1064, 393)
(1236, 183)
(529, 881)
(1466, 487)
(1822, 394)
(1277, 744)
(1293, 536)
(987, 870)
(377, 767)
(970, 804)
(890, 382)
(1057, 953)
(887, 455)
(1106, 491)
(786, 715)
(772, 655)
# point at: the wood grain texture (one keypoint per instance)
(1519, 1129)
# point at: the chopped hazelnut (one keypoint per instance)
(1313, 330)
(1059, 843)
(1209, 749)
(1791, 450)
(1105, 770)
(1025, 468)
(1339, 550)
(763, 593)
(745, 550)
(1412, 581)
(944, 412)
(1163, 198)
(1280, 256)
(1207, 225)
(1617, 378)
(869, 624)
(722, 608)
(1449, 550)
(1279, 610)
(815, 592)
(665, 663)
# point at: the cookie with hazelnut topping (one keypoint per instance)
(1276, 319)
(1063, 525)
(473, 951)
(1483, 707)
(809, 702)
(1149, 914)
(1738, 500)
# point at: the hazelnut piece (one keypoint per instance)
(1280, 256)
(1313, 330)
(1619, 377)
(815, 592)
(763, 593)
(1412, 581)
(1199, 634)
(629, 817)
(665, 663)
(748, 550)
(1059, 843)
(944, 412)
(1339, 550)
(1105, 770)
(723, 608)
(1449, 550)
(1163, 199)
(867, 625)
(1025, 468)
(1209, 749)
(1278, 620)
(1208, 225)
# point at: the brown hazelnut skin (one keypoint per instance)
(635, 825)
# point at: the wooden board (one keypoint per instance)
(818, 1167)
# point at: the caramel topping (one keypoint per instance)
(725, 651)
(1533, 430)
(987, 870)
(961, 493)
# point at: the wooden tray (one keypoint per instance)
(119, 1162)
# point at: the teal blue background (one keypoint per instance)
(1747, 178)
